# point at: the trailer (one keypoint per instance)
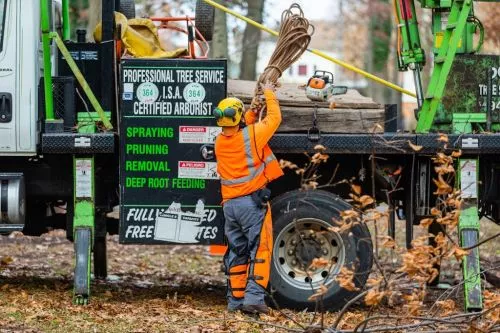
(83, 131)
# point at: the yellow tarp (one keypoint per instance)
(140, 38)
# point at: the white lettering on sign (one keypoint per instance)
(495, 90)
(495, 72)
(171, 76)
(169, 108)
(150, 214)
(198, 134)
(148, 75)
(136, 231)
(171, 92)
(147, 92)
(194, 93)
(198, 170)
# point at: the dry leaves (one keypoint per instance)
(425, 223)
(319, 293)
(414, 146)
(366, 200)
(374, 297)
(356, 189)
(371, 282)
(284, 164)
(458, 252)
(319, 158)
(443, 138)
(443, 187)
(319, 263)
(345, 279)
(419, 261)
(447, 307)
(387, 242)
(320, 148)
(492, 300)
(6, 260)
(415, 302)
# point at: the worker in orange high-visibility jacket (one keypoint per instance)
(246, 165)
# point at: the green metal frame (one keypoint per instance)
(468, 231)
(460, 10)
(47, 65)
(468, 223)
(66, 24)
(84, 217)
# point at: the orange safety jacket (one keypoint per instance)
(245, 162)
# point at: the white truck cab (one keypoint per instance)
(19, 76)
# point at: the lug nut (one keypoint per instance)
(294, 262)
(302, 235)
(290, 252)
(322, 241)
(294, 242)
(325, 251)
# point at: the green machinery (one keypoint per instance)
(454, 26)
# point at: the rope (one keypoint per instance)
(294, 37)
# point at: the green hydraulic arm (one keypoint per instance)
(457, 20)
(409, 50)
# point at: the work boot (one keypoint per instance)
(238, 307)
(255, 308)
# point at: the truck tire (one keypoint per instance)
(300, 221)
(204, 16)
(83, 243)
(127, 8)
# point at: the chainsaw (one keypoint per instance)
(320, 86)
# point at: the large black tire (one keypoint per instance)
(204, 16)
(303, 211)
(127, 8)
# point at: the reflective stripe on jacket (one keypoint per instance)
(245, 162)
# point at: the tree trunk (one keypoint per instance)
(95, 12)
(251, 39)
(218, 47)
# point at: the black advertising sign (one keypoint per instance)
(168, 192)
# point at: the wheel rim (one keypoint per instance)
(298, 244)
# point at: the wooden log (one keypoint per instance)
(352, 112)
(332, 121)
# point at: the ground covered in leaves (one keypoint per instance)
(149, 289)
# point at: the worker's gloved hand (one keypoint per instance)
(257, 103)
(268, 86)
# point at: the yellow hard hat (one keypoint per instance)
(229, 112)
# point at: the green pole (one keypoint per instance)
(66, 32)
(47, 66)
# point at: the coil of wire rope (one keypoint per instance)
(294, 37)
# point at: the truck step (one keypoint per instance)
(8, 228)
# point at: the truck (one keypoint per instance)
(84, 131)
